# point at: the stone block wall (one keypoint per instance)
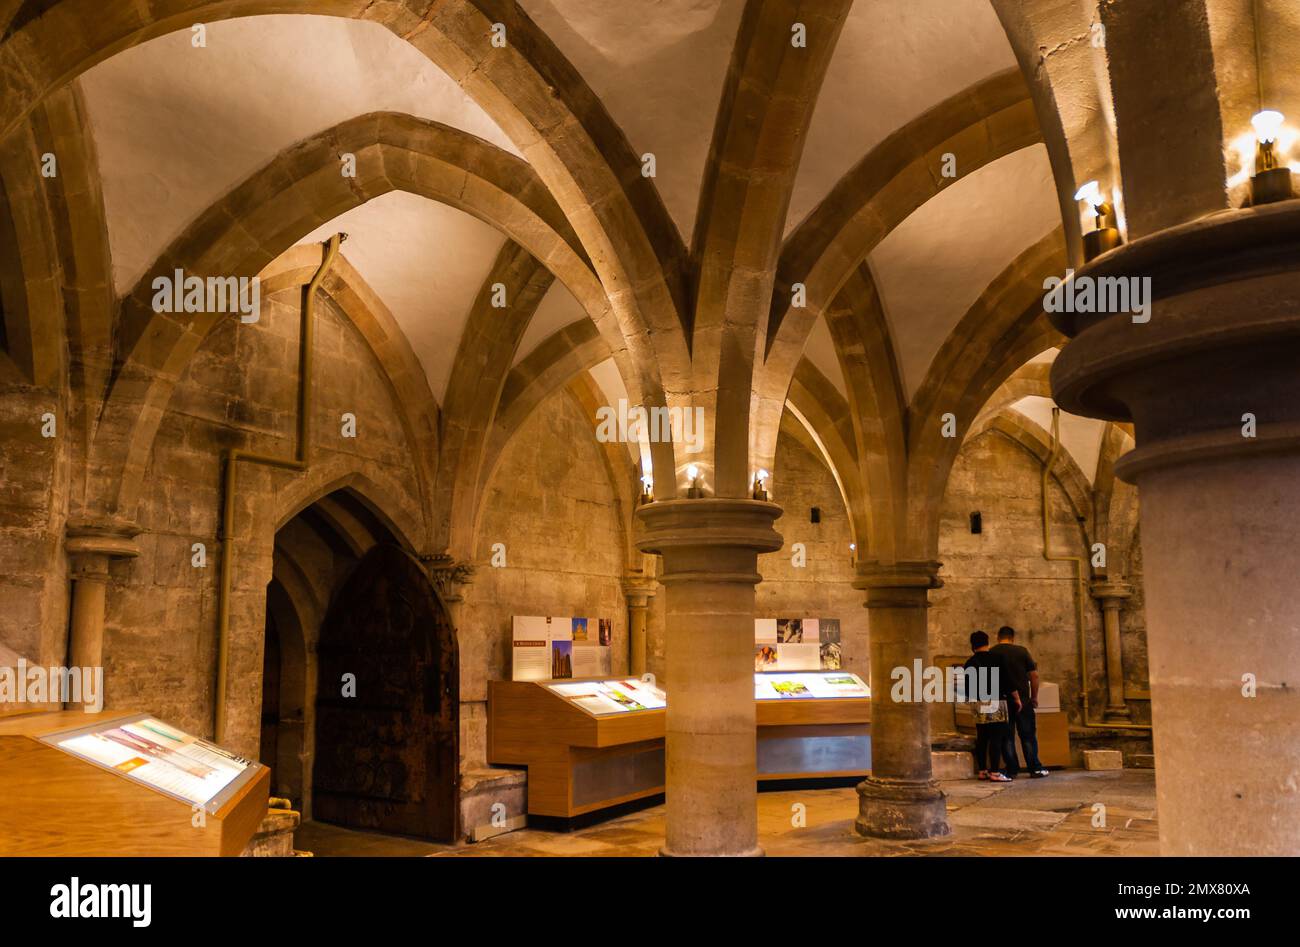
(551, 504)
(240, 390)
(1000, 576)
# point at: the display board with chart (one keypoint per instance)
(162, 757)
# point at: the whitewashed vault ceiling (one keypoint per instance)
(659, 67)
(427, 262)
(1081, 437)
(176, 127)
(895, 60)
(938, 262)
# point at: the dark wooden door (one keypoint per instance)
(386, 758)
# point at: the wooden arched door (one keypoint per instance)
(388, 703)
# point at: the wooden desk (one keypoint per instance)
(55, 803)
(577, 762)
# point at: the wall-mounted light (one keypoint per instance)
(694, 491)
(647, 490)
(1104, 235)
(760, 485)
(1272, 179)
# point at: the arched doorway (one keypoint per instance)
(387, 703)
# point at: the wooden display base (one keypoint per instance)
(577, 762)
(55, 803)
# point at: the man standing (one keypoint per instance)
(990, 685)
(1024, 678)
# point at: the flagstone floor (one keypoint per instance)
(1052, 816)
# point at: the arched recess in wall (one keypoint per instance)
(360, 717)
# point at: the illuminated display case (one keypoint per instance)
(122, 784)
(594, 744)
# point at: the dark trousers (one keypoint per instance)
(1024, 722)
(990, 740)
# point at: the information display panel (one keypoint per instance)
(150, 752)
(611, 697)
(809, 685)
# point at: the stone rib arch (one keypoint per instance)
(1001, 331)
(981, 124)
(767, 105)
(1028, 435)
(263, 217)
(531, 91)
(487, 348)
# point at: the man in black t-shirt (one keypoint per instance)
(1024, 678)
(991, 739)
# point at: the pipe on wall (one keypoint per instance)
(1080, 585)
(298, 463)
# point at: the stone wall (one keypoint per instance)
(551, 504)
(240, 390)
(34, 492)
(1000, 576)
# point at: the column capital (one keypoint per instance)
(638, 589)
(448, 574)
(709, 522)
(1219, 342)
(1110, 590)
(104, 539)
(909, 575)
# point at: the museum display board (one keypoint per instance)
(597, 743)
(551, 648)
(797, 644)
(122, 784)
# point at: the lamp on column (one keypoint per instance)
(760, 488)
(1272, 180)
(694, 491)
(647, 489)
(1104, 235)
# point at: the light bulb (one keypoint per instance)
(1267, 125)
(692, 473)
(762, 475)
(1090, 192)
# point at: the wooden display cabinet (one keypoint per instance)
(578, 761)
(58, 803)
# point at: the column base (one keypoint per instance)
(755, 852)
(900, 809)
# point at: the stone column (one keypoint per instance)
(1111, 596)
(638, 590)
(1211, 385)
(710, 551)
(90, 549)
(900, 799)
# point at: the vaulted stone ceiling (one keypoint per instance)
(176, 127)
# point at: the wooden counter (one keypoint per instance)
(55, 803)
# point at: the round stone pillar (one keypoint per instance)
(89, 550)
(1111, 596)
(710, 551)
(900, 799)
(1212, 386)
(638, 591)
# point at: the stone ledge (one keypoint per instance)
(1103, 759)
(484, 788)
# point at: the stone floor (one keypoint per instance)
(1052, 816)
